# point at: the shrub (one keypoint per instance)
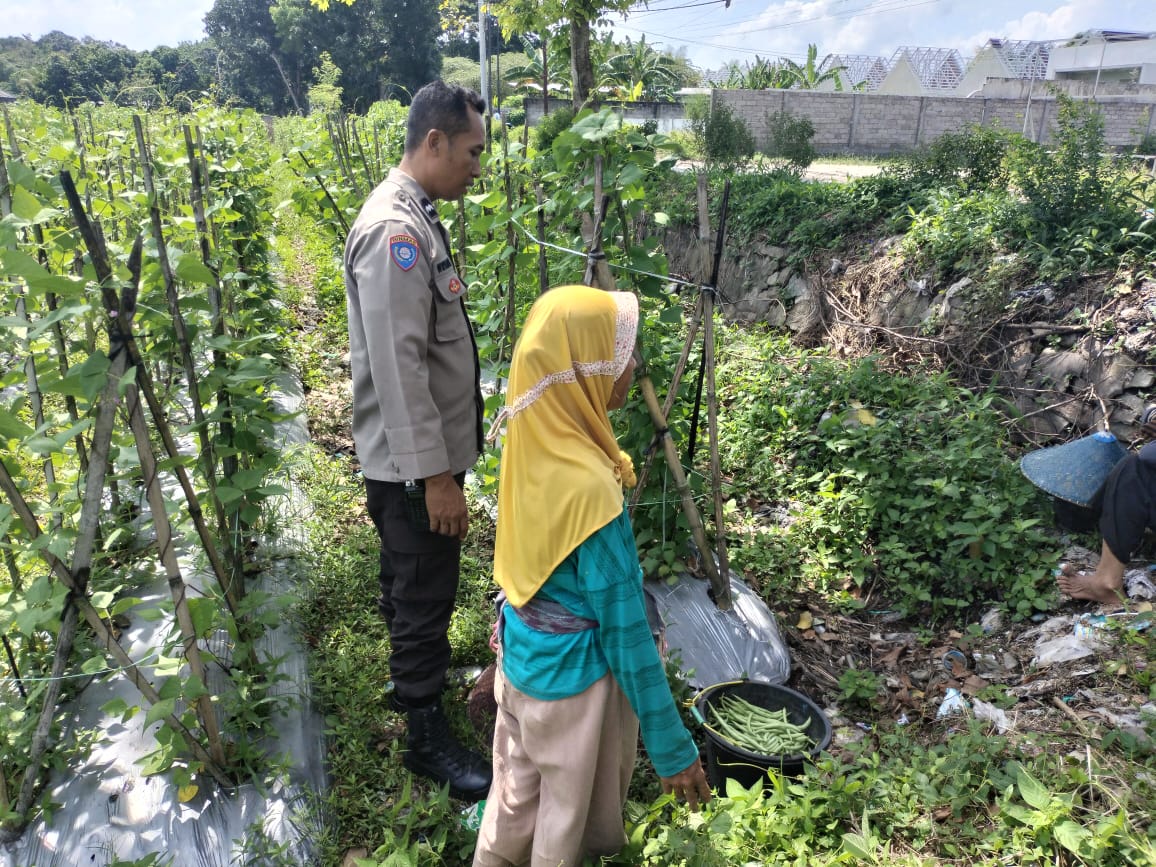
(722, 137)
(789, 141)
(896, 479)
(552, 125)
(974, 159)
(1067, 181)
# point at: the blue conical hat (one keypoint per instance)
(1074, 471)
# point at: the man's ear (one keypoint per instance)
(434, 139)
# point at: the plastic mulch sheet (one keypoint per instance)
(108, 811)
(713, 646)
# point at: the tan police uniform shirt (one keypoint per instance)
(417, 404)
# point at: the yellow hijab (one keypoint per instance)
(562, 472)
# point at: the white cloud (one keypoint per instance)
(713, 35)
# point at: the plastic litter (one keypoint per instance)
(991, 621)
(1140, 583)
(954, 661)
(472, 816)
(991, 713)
(1065, 648)
(953, 703)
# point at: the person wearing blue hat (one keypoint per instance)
(1127, 507)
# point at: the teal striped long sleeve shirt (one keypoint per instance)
(601, 580)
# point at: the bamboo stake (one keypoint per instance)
(361, 153)
(668, 404)
(463, 239)
(208, 450)
(509, 328)
(104, 273)
(325, 192)
(183, 342)
(598, 274)
(103, 631)
(37, 400)
(543, 266)
(177, 588)
(87, 529)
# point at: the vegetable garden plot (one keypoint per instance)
(138, 436)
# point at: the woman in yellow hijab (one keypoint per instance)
(578, 671)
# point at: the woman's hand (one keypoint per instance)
(689, 784)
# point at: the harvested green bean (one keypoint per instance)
(757, 729)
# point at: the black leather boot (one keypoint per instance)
(433, 752)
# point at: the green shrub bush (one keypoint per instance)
(898, 479)
(789, 141)
(722, 137)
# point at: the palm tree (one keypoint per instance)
(528, 77)
(638, 72)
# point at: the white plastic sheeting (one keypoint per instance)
(106, 810)
(714, 646)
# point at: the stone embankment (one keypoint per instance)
(1065, 358)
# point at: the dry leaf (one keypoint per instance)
(891, 657)
(805, 620)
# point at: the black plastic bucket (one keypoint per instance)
(726, 760)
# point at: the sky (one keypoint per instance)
(711, 32)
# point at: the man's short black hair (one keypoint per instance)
(440, 106)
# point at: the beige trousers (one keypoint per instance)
(561, 772)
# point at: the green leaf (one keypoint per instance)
(1072, 835)
(16, 263)
(203, 612)
(859, 846)
(25, 205)
(1032, 791)
(94, 665)
(597, 127)
(228, 494)
(11, 427)
(190, 269)
(163, 708)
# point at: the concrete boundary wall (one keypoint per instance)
(871, 123)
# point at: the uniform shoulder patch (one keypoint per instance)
(455, 286)
(403, 251)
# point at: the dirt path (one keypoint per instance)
(839, 171)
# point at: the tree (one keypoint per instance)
(806, 76)
(762, 73)
(384, 48)
(325, 94)
(638, 72)
(522, 16)
(253, 67)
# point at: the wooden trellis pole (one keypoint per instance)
(144, 381)
(598, 274)
(76, 577)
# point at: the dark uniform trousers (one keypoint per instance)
(418, 575)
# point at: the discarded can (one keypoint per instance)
(954, 661)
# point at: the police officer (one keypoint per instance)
(417, 412)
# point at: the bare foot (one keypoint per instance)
(1096, 587)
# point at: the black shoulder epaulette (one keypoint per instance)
(430, 209)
